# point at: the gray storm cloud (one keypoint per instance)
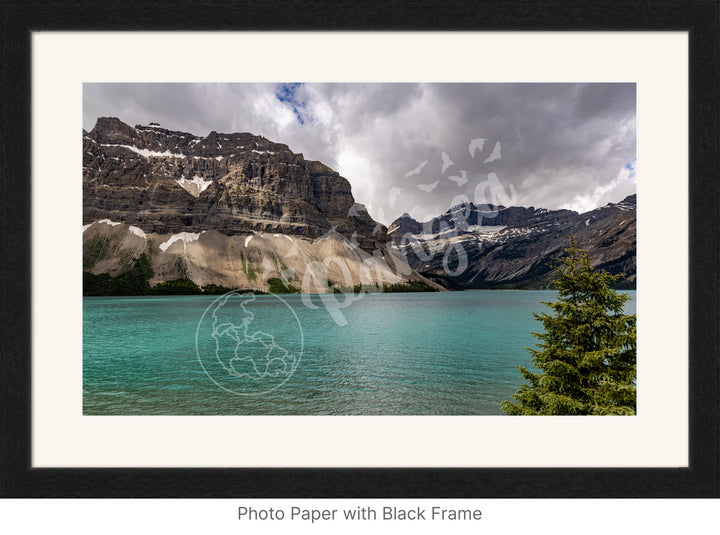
(543, 145)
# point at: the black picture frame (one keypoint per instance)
(700, 18)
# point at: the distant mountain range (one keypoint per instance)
(512, 247)
(237, 210)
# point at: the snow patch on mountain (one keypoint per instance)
(195, 186)
(138, 232)
(185, 237)
(147, 153)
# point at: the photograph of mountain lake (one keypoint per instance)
(359, 249)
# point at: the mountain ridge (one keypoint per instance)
(169, 181)
(224, 209)
(513, 247)
(231, 210)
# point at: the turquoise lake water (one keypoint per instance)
(450, 353)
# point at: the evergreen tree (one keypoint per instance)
(586, 355)
(132, 282)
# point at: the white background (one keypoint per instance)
(220, 517)
(62, 436)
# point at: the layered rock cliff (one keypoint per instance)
(233, 210)
(169, 182)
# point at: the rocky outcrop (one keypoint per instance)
(515, 247)
(467, 216)
(404, 225)
(232, 210)
(243, 261)
(169, 182)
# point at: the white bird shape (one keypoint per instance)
(459, 180)
(495, 154)
(417, 170)
(428, 187)
(476, 144)
(446, 161)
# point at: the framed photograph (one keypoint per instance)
(407, 262)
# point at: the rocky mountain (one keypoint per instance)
(228, 209)
(238, 210)
(490, 246)
(170, 182)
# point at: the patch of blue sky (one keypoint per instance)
(291, 94)
(631, 167)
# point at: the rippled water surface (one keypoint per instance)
(415, 354)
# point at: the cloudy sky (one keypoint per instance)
(418, 148)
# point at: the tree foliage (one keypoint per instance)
(406, 287)
(177, 287)
(136, 281)
(586, 355)
(277, 286)
(132, 282)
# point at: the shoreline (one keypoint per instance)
(261, 293)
